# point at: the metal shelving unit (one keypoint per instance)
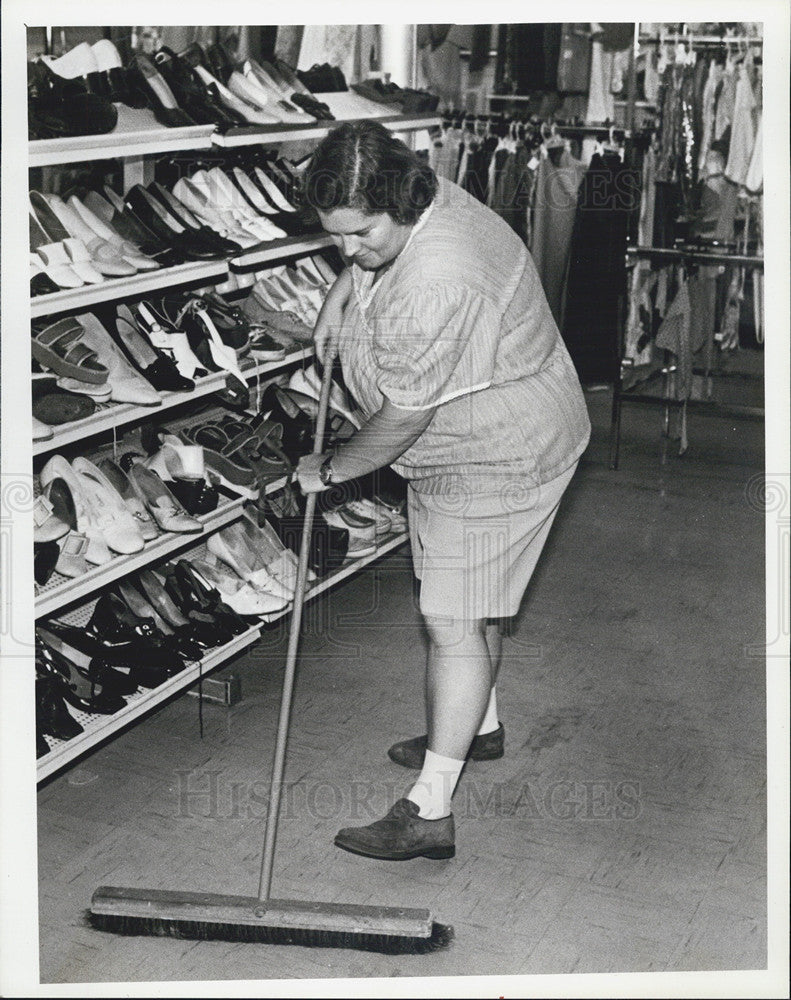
(62, 591)
(74, 597)
(97, 728)
(114, 415)
(117, 145)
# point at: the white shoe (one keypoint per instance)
(173, 342)
(97, 551)
(126, 250)
(372, 511)
(126, 385)
(231, 547)
(115, 520)
(238, 594)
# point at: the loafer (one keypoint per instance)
(400, 835)
(410, 753)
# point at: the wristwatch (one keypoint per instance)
(325, 471)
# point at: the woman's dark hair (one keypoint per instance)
(362, 165)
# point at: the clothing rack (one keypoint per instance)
(670, 255)
(681, 256)
(699, 40)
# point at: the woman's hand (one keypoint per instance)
(308, 473)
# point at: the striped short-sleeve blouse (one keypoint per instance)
(459, 321)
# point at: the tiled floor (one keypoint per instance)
(623, 831)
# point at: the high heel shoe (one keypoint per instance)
(153, 365)
(206, 635)
(240, 595)
(156, 217)
(143, 76)
(119, 527)
(168, 338)
(173, 648)
(163, 505)
(195, 226)
(52, 716)
(134, 502)
(297, 437)
(181, 466)
(87, 523)
(231, 546)
(197, 599)
(329, 544)
(88, 683)
(200, 101)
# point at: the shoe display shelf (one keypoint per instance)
(155, 142)
(118, 145)
(193, 273)
(73, 599)
(109, 416)
(275, 134)
(97, 728)
(60, 591)
(388, 543)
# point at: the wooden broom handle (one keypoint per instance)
(278, 767)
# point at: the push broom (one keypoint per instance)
(261, 919)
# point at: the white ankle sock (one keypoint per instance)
(490, 720)
(434, 789)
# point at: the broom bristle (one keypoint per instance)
(195, 930)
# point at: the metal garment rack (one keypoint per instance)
(670, 256)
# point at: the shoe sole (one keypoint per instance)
(434, 854)
(473, 757)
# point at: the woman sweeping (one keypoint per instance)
(448, 345)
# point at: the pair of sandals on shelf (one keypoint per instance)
(140, 351)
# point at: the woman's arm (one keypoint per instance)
(385, 437)
(331, 313)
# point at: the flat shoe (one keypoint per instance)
(400, 835)
(410, 753)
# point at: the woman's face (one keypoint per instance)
(371, 241)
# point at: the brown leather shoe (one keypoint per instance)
(410, 753)
(402, 834)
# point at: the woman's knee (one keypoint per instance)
(447, 633)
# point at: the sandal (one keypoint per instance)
(59, 347)
(225, 458)
(262, 449)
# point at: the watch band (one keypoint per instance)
(325, 471)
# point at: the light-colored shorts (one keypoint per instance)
(474, 554)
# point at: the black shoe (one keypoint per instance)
(206, 636)
(199, 601)
(110, 207)
(52, 716)
(169, 650)
(143, 77)
(200, 101)
(45, 558)
(154, 216)
(85, 685)
(400, 835)
(411, 753)
(329, 545)
(198, 232)
(154, 365)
